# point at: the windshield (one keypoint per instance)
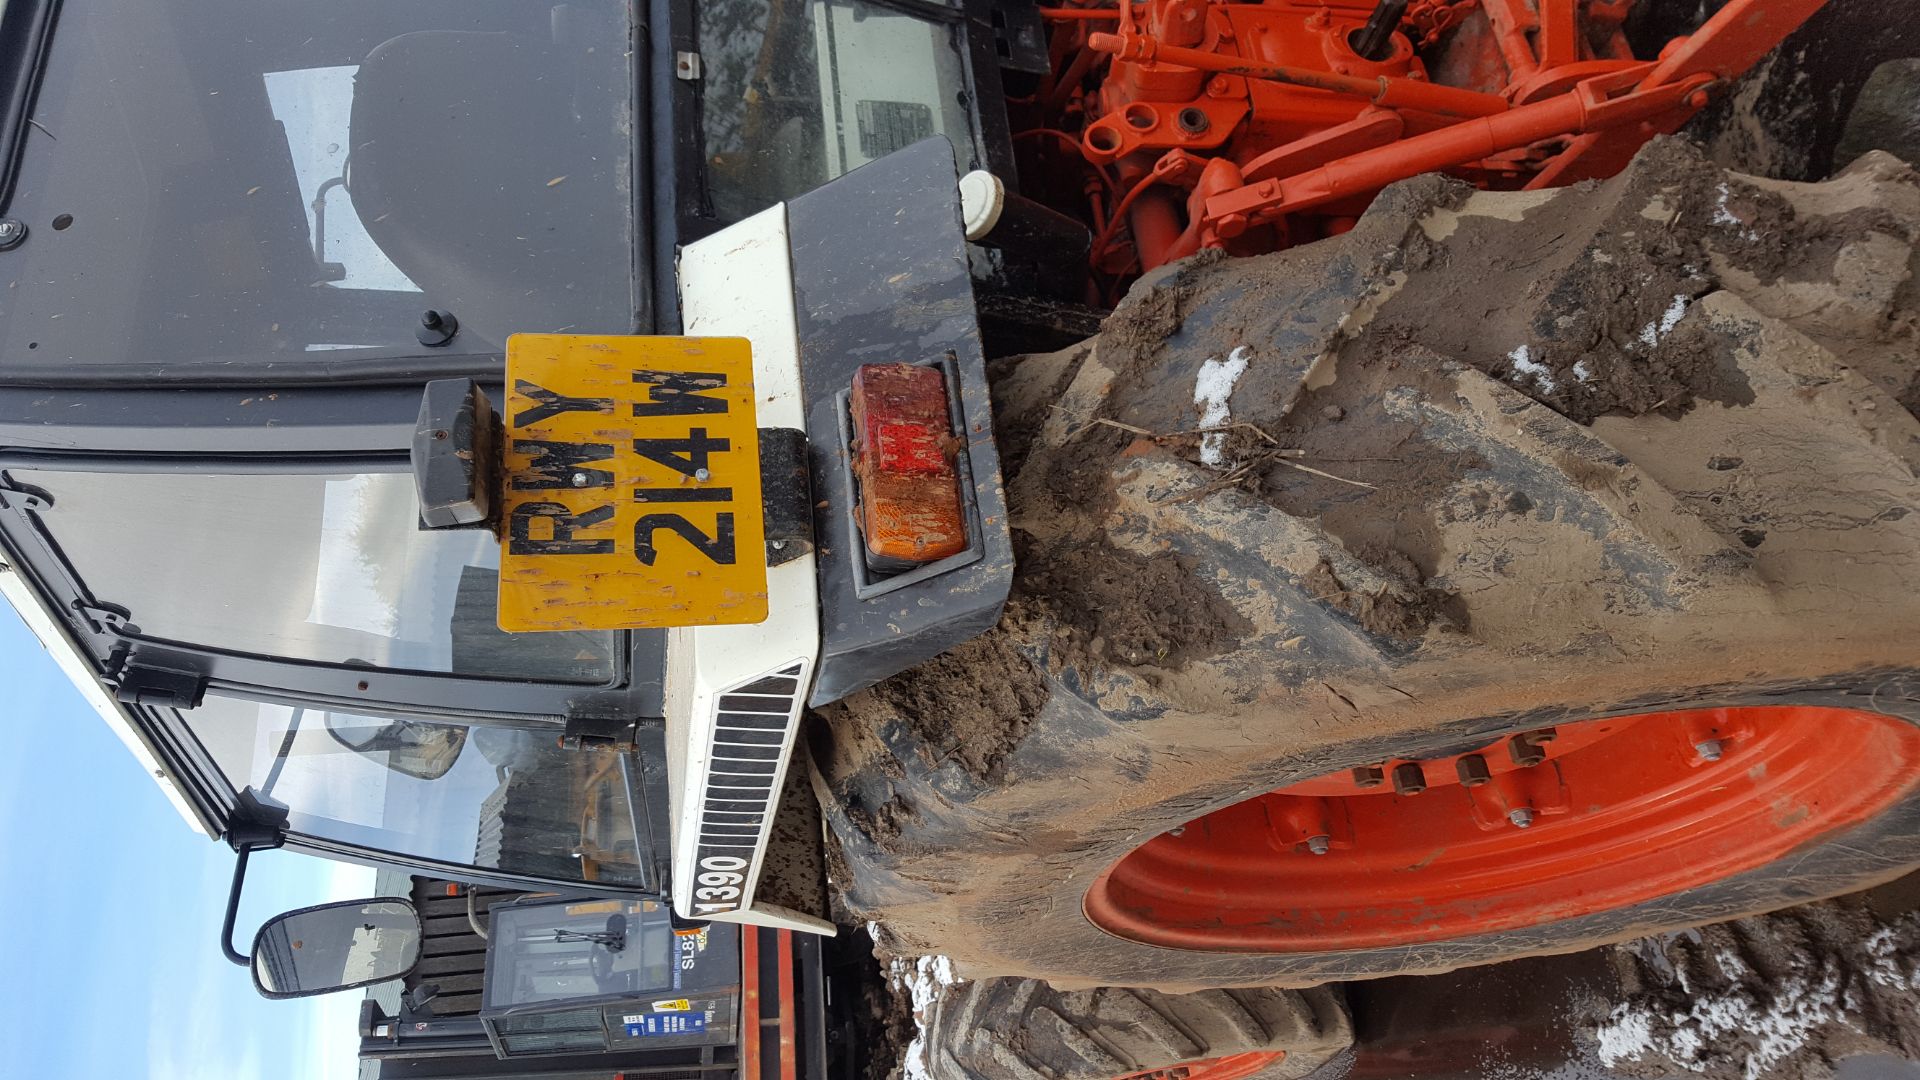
(269, 179)
(325, 567)
(509, 800)
(797, 92)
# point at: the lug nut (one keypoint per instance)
(1709, 749)
(1318, 844)
(1522, 817)
(1369, 776)
(1409, 778)
(1526, 752)
(1473, 770)
(1544, 736)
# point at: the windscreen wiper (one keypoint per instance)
(613, 938)
(612, 942)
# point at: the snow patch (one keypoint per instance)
(1883, 965)
(1651, 333)
(923, 979)
(1627, 1034)
(1583, 370)
(1525, 364)
(1211, 389)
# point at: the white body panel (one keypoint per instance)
(739, 283)
(53, 637)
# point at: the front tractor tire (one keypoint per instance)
(1550, 583)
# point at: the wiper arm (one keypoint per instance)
(611, 941)
(26, 28)
(613, 938)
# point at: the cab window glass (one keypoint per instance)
(797, 92)
(505, 799)
(331, 568)
(270, 180)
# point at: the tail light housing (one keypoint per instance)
(909, 507)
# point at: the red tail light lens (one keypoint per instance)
(903, 449)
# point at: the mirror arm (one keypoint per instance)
(253, 825)
(233, 908)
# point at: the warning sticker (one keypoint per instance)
(676, 1005)
(640, 1025)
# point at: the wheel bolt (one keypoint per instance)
(1526, 752)
(1473, 770)
(1318, 844)
(1544, 736)
(1709, 749)
(1409, 778)
(1521, 816)
(1369, 776)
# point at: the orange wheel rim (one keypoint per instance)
(1530, 829)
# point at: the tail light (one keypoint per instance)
(904, 445)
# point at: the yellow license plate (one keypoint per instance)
(631, 490)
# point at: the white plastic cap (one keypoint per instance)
(982, 197)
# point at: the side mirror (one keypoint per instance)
(342, 946)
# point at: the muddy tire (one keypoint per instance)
(1708, 1004)
(1633, 459)
(1022, 1029)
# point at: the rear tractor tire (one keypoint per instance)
(1023, 1029)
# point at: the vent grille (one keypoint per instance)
(751, 724)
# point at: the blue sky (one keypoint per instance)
(110, 907)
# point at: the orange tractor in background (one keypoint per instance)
(1253, 127)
